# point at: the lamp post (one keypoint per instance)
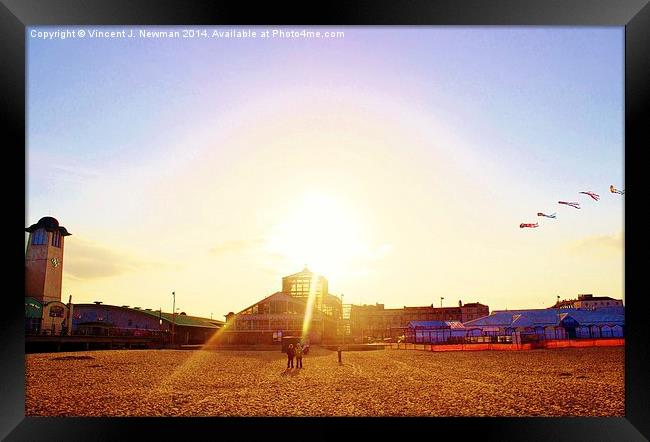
(340, 347)
(162, 340)
(441, 298)
(174, 317)
(558, 316)
(341, 320)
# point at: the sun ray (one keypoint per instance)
(306, 322)
(322, 230)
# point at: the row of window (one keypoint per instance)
(275, 307)
(403, 319)
(39, 238)
(305, 285)
(265, 325)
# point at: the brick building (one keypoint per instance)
(589, 302)
(378, 322)
(44, 260)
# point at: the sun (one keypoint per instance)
(321, 232)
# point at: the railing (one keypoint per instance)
(440, 338)
(548, 343)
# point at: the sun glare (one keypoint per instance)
(319, 232)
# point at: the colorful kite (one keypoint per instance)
(574, 205)
(593, 195)
(615, 190)
(552, 215)
(522, 225)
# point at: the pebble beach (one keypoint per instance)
(557, 382)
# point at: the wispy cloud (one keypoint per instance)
(90, 260)
(75, 172)
(597, 244)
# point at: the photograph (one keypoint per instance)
(325, 221)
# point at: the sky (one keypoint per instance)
(398, 162)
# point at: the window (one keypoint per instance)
(39, 237)
(56, 311)
(56, 238)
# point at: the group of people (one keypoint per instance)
(296, 352)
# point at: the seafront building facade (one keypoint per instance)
(289, 313)
(43, 278)
(46, 316)
(531, 325)
(379, 323)
(303, 308)
(523, 326)
(98, 319)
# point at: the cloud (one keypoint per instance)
(598, 244)
(89, 260)
(75, 173)
(237, 245)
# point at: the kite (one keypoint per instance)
(552, 215)
(574, 205)
(593, 195)
(522, 225)
(615, 190)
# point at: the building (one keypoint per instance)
(305, 283)
(46, 314)
(284, 314)
(589, 302)
(98, 319)
(378, 322)
(433, 332)
(274, 317)
(44, 260)
(47, 318)
(561, 323)
(44, 310)
(473, 310)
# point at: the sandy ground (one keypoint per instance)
(562, 382)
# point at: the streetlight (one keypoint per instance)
(558, 316)
(174, 317)
(341, 318)
(162, 341)
(441, 298)
(340, 347)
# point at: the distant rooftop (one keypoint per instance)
(304, 273)
(543, 317)
(178, 319)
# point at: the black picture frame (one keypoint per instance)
(634, 15)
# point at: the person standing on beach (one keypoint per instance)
(298, 355)
(290, 354)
